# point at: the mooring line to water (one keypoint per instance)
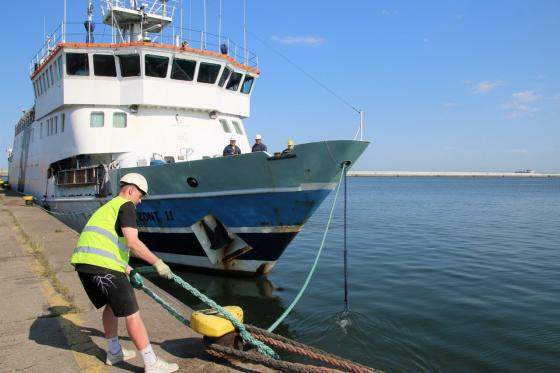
(302, 290)
(346, 308)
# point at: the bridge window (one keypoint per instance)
(225, 75)
(130, 65)
(156, 66)
(225, 125)
(51, 75)
(77, 64)
(208, 72)
(183, 69)
(97, 119)
(104, 65)
(59, 61)
(247, 84)
(237, 127)
(62, 122)
(119, 120)
(233, 84)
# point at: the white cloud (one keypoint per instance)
(539, 77)
(525, 96)
(522, 104)
(487, 86)
(385, 13)
(312, 41)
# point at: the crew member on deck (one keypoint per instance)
(232, 149)
(288, 150)
(259, 146)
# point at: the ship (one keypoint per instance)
(151, 98)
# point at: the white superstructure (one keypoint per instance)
(128, 99)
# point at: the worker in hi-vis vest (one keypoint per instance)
(101, 260)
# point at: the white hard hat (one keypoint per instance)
(232, 139)
(137, 180)
(258, 137)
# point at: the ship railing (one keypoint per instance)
(156, 8)
(74, 32)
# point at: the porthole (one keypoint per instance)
(192, 182)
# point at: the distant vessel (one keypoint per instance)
(525, 172)
(142, 98)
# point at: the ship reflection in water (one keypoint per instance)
(257, 296)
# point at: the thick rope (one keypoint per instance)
(245, 335)
(308, 351)
(312, 271)
(220, 351)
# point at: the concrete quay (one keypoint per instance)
(47, 323)
(448, 174)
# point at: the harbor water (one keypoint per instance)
(445, 275)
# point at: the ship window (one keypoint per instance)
(208, 72)
(130, 65)
(156, 66)
(104, 65)
(43, 83)
(225, 125)
(247, 84)
(234, 81)
(41, 132)
(237, 127)
(119, 120)
(77, 64)
(97, 119)
(51, 75)
(56, 124)
(59, 67)
(62, 122)
(35, 89)
(183, 69)
(225, 75)
(47, 78)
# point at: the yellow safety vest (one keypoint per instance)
(99, 243)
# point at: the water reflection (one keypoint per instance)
(258, 296)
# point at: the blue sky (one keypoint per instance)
(445, 85)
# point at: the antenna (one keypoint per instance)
(245, 31)
(88, 24)
(220, 24)
(204, 34)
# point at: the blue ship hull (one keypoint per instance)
(256, 203)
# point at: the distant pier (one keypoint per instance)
(448, 174)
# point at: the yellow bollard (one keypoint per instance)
(28, 200)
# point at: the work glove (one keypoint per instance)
(163, 269)
(136, 281)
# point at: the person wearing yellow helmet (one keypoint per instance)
(289, 148)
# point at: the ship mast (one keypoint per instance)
(139, 19)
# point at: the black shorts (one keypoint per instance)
(104, 286)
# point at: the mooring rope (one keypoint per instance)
(312, 271)
(245, 335)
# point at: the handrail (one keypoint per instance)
(74, 32)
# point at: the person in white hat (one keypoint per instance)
(101, 259)
(232, 149)
(259, 146)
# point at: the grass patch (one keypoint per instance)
(36, 250)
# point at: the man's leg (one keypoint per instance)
(137, 330)
(110, 322)
(138, 334)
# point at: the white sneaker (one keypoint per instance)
(161, 366)
(122, 355)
